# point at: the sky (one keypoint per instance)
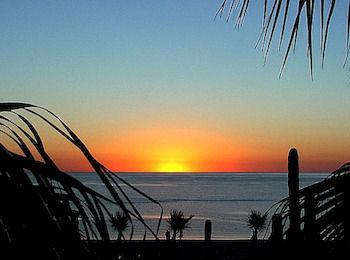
(162, 86)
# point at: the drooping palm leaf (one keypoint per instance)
(272, 12)
(106, 175)
(64, 198)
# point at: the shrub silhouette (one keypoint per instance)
(178, 223)
(257, 222)
(120, 223)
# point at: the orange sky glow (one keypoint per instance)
(177, 148)
(159, 149)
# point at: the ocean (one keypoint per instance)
(224, 198)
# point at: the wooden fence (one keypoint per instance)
(318, 212)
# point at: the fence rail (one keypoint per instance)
(316, 212)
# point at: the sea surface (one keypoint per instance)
(224, 198)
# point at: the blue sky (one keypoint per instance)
(122, 66)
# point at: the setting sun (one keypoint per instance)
(172, 167)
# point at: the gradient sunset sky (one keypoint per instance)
(161, 86)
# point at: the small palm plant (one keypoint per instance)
(257, 222)
(178, 223)
(120, 223)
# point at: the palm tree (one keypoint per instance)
(178, 223)
(120, 223)
(276, 14)
(257, 222)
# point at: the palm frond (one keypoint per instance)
(60, 208)
(273, 10)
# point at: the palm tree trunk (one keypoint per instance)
(255, 235)
(181, 235)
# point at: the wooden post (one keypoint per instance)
(293, 185)
(310, 226)
(207, 230)
(277, 229)
(346, 207)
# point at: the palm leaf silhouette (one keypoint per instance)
(68, 210)
(276, 13)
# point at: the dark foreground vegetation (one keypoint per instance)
(220, 250)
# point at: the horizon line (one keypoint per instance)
(311, 172)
